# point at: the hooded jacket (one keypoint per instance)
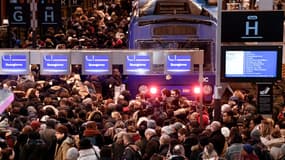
(61, 150)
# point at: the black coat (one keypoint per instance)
(163, 149)
(34, 150)
(218, 140)
(152, 147)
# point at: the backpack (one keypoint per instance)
(262, 152)
(136, 154)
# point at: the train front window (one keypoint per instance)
(202, 45)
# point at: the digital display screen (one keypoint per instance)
(55, 64)
(96, 64)
(178, 63)
(252, 63)
(15, 63)
(138, 63)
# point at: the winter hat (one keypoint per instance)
(35, 125)
(234, 98)
(225, 131)
(91, 125)
(72, 154)
(248, 148)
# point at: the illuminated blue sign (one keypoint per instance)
(55, 63)
(15, 63)
(138, 63)
(178, 63)
(96, 63)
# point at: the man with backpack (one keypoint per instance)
(131, 151)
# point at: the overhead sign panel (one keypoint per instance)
(138, 64)
(49, 13)
(178, 63)
(55, 64)
(14, 63)
(97, 64)
(252, 26)
(19, 14)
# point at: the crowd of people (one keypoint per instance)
(68, 118)
(104, 27)
(75, 118)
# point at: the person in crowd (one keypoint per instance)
(183, 137)
(131, 151)
(118, 145)
(142, 141)
(208, 152)
(152, 145)
(281, 155)
(48, 135)
(93, 134)
(110, 82)
(217, 138)
(35, 148)
(72, 153)
(275, 142)
(266, 128)
(7, 154)
(164, 142)
(228, 119)
(235, 145)
(87, 150)
(64, 142)
(247, 153)
(259, 148)
(178, 153)
(22, 140)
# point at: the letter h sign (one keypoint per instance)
(251, 26)
(49, 14)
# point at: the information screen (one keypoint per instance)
(96, 64)
(57, 64)
(15, 63)
(251, 63)
(178, 63)
(138, 64)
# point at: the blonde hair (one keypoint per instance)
(267, 127)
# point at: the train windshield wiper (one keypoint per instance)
(191, 21)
